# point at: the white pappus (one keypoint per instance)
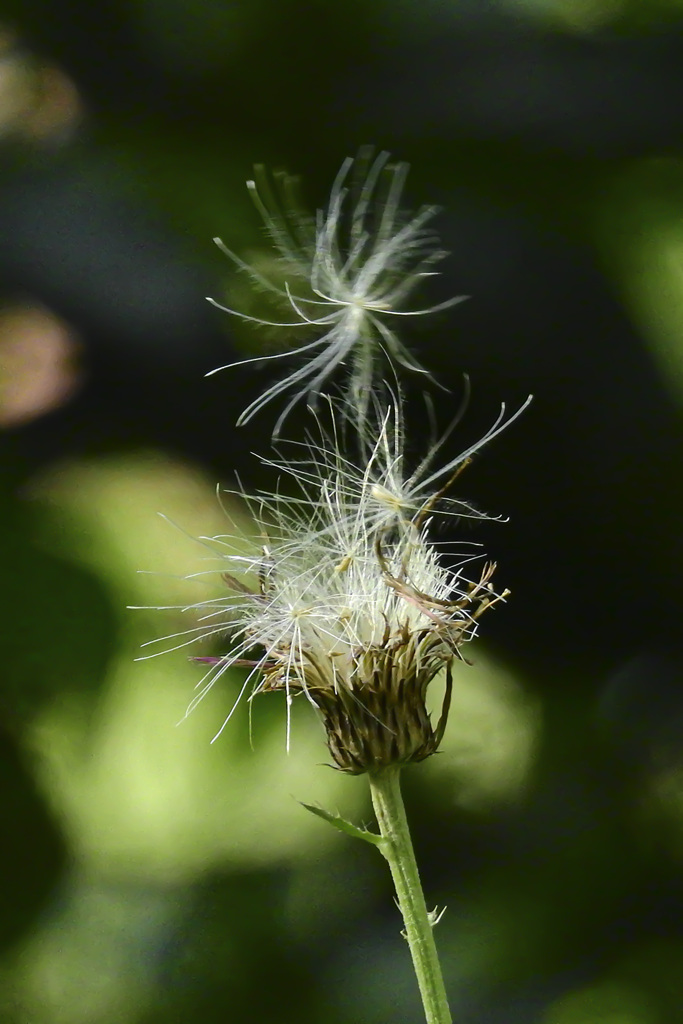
(348, 598)
(359, 260)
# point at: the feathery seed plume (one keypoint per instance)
(358, 262)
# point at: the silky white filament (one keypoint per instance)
(358, 262)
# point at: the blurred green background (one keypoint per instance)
(150, 876)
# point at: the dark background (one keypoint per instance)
(152, 877)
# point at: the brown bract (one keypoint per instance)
(376, 716)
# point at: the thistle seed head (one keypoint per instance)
(348, 603)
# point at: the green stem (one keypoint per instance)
(398, 850)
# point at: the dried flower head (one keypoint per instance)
(348, 601)
(359, 261)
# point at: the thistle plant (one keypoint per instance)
(350, 602)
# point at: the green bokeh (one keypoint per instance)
(155, 877)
